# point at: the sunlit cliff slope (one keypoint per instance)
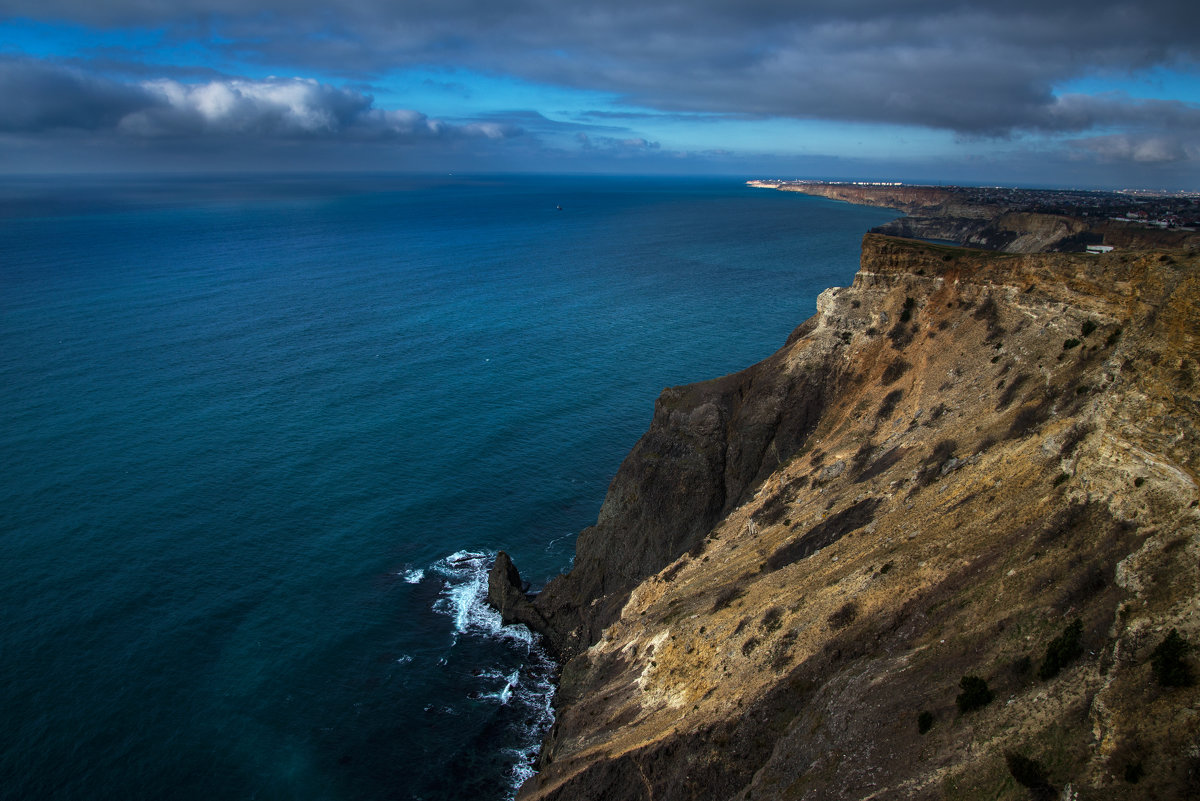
(956, 459)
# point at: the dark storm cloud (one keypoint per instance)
(42, 97)
(1154, 131)
(973, 70)
(39, 97)
(1145, 149)
(1078, 112)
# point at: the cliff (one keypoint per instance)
(907, 198)
(1009, 231)
(1016, 220)
(803, 571)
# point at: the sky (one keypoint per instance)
(1087, 93)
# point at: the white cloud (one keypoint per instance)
(45, 97)
(274, 107)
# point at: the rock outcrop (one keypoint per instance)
(509, 596)
(966, 469)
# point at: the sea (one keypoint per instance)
(261, 436)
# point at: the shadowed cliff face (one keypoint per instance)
(1011, 233)
(957, 458)
(708, 446)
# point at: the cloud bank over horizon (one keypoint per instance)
(1093, 89)
(53, 98)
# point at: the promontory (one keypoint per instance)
(943, 544)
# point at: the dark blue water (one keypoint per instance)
(259, 439)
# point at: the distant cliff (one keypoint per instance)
(928, 549)
(1009, 220)
(902, 197)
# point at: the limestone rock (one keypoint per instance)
(958, 457)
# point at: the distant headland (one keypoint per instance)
(1021, 220)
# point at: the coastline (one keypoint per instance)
(382, 377)
(771, 545)
(1016, 220)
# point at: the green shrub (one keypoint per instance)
(1028, 772)
(727, 596)
(772, 619)
(924, 721)
(975, 694)
(1071, 343)
(1062, 650)
(781, 654)
(1088, 327)
(899, 334)
(844, 616)
(1029, 418)
(889, 404)
(894, 370)
(1022, 666)
(1170, 669)
(1113, 337)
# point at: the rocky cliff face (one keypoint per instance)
(966, 464)
(1011, 232)
(946, 213)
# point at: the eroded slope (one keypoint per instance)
(958, 457)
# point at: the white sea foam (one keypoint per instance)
(510, 684)
(529, 690)
(464, 597)
(522, 768)
(413, 576)
(555, 540)
(537, 694)
(530, 693)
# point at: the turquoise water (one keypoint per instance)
(260, 438)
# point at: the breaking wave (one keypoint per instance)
(523, 695)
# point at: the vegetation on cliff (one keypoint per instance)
(801, 569)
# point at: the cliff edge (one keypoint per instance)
(1020, 220)
(931, 548)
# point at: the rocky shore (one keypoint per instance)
(931, 548)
